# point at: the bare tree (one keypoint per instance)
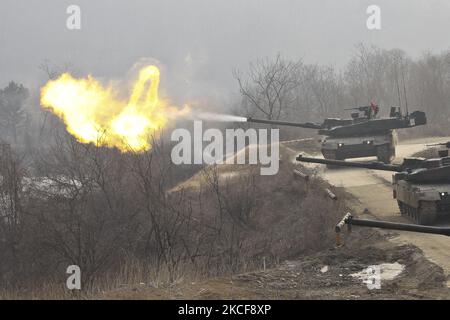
(430, 83)
(268, 86)
(321, 93)
(10, 216)
(52, 72)
(12, 114)
(377, 75)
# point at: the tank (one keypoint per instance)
(420, 186)
(364, 135)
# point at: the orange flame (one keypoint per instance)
(94, 114)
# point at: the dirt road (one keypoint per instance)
(373, 192)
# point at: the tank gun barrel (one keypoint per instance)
(446, 144)
(368, 165)
(309, 125)
(350, 220)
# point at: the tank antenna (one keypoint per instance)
(404, 90)
(398, 87)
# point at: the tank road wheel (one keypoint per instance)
(401, 206)
(426, 213)
(385, 153)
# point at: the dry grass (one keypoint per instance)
(224, 220)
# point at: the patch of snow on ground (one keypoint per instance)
(387, 271)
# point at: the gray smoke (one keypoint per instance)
(218, 117)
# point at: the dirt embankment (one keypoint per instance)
(323, 275)
(404, 272)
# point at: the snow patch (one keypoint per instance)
(324, 269)
(387, 271)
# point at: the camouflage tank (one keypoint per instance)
(364, 135)
(420, 186)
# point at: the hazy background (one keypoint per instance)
(199, 42)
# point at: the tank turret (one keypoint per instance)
(381, 125)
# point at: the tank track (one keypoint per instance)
(424, 215)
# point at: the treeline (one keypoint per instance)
(279, 88)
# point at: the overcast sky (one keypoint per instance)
(199, 42)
